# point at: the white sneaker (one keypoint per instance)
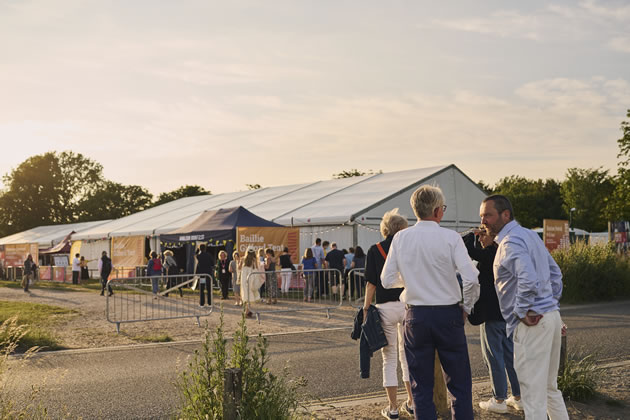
(514, 403)
(494, 406)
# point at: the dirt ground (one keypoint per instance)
(88, 328)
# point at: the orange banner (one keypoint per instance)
(556, 234)
(128, 251)
(275, 238)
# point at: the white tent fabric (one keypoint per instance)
(321, 205)
(92, 251)
(48, 236)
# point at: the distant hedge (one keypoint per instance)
(593, 273)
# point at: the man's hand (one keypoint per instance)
(531, 318)
(464, 314)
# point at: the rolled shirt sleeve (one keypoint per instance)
(522, 267)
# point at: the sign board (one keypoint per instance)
(59, 274)
(275, 238)
(15, 254)
(556, 234)
(128, 251)
(60, 260)
(45, 272)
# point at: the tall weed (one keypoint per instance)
(578, 379)
(593, 273)
(264, 395)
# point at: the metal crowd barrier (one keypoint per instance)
(133, 299)
(294, 291)
(355, 279)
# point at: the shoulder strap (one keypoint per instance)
(382, 251)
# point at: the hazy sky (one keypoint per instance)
(224, 93)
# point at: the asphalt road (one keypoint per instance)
(138, 381)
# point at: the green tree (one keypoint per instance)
(47, 189)
(487, 188)
(588, 191)
(114, 201)
(355, 172)
(181, 192)
(618, 206)
(532, 200)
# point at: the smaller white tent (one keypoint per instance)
(48, 236)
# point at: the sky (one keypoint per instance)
(227, 93)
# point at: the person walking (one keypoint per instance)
(392, 313)
(104, 269)
(334, 260)
(424, 259)
(154, 270)
(497, 348)
(205, 265)
(319, 255)
(529, 286)
(76, 269)
(223, 274)
(29, 272)
(235, 269)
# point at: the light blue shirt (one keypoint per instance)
(526, 276)
(349, 257)
(318, 253)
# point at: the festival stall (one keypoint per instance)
(224, 229)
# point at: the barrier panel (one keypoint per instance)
(294, 290)
(355, 279)
(177, 296)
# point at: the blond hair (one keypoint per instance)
(392, 222)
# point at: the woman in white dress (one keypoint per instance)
(250, 284)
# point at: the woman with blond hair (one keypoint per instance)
(250, 280)
(392, 313)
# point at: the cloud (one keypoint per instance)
(505, 24)
(620, 43)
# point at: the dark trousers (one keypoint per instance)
(75, 277)
(225, 286)
(441, 328)
(207, 286)
(104, 278)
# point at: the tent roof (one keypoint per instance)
(334, 201)
(47, 236)
(221, 220)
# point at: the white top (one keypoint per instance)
(75, 264)
(425, 259)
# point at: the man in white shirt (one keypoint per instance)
(424, 259)
(76, 269)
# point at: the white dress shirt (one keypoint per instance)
(424, 259)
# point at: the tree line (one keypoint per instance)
(66, 187)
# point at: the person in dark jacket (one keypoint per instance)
(223, 274)
(205, 265)
(29, 271)
(392, 312)
(105, 269)
(496, 347)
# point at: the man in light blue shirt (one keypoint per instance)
(529, 285)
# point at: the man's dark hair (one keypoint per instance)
(501, 203)
(202, 247)
(325, 244)
(318, 241)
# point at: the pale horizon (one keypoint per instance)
(222, 95)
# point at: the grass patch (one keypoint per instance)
(92, 284)
(160, 338)
(39, 318)
(578, 380)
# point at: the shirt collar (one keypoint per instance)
(427, 223)
(505, 230)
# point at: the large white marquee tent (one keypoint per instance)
(347, 211)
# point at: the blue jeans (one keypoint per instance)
(498, 353)
(441, 328)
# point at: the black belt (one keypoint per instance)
(454, 305)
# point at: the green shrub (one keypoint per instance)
(264, 395)
(593, 273)
(578, 380)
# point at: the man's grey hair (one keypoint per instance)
(426, 199)
(392, 222)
